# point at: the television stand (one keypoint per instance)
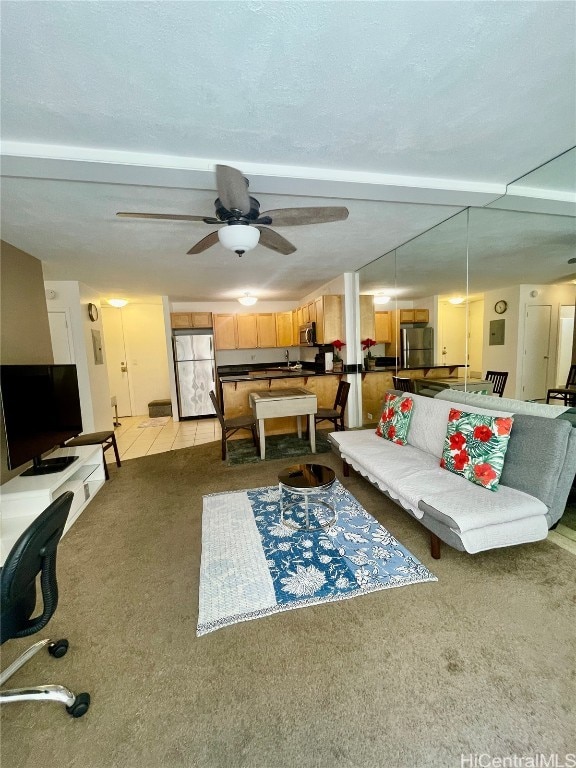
(48, 466)
(22, 499)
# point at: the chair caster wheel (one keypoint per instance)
(58, 648)
(80, 706)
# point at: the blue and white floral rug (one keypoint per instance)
(253, 565)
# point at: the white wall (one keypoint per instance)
(92, 378)
(476, 337)
(509, 356)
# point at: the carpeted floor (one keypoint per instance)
(481, 661)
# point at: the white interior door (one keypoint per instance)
(61, 336)
(452, 328)
(116, 358)
(536, 351)
(565, 337)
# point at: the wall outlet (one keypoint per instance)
(369, 416)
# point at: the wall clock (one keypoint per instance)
(500, 307)
(93, 312)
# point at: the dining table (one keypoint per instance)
(278, 403)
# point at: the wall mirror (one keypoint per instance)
(497, 285)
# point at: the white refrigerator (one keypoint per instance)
(195, 372)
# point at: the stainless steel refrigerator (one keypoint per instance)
(416, 347)
(195, 372)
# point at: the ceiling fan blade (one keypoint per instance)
(168, 217)
(275, 242)
(232, 189)
(204, 244)
(293, 217)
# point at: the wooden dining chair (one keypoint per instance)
(498, 379)
(568, 398)
(404, 384)
(335, 414)
(231, 426)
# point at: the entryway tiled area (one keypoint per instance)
(135, 440)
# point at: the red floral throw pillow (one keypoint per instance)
(395, 419)
(475, 446)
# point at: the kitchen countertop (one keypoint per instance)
(273, 374)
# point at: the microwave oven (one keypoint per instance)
(307, 335)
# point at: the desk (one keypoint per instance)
(276, 403)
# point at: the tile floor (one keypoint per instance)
(134, 441)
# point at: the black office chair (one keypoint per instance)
(35, 553)
(107, 439)
(231, 426)
(404, 384)
(568, 398)
(498, 379)
(335, 414)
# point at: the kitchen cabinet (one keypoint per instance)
(312, 312)
(328, 318)
(367, 318)
(284, 329)
(414, 316)
(225, 332)
(191, 319)
(247, 331)
(382, 327)
(266, 329)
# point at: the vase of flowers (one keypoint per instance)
(369, 361)
(338, 362)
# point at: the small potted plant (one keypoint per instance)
(338, 362)
(369, 361)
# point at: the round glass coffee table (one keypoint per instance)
(305, 491)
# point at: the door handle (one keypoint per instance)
(123, 368)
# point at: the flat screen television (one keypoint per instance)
(41, 408)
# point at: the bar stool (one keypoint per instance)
(107, 439)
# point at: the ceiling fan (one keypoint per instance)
(245, 225)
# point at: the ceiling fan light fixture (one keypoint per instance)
(247, 300)
(239, 237)
(380, 299)
(119, 303)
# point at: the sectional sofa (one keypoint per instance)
(538, 472)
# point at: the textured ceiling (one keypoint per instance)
(447, 95)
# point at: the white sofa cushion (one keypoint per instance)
(412, 476)
(429, 421)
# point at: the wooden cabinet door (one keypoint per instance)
(201, 319)
(421, 315)
(284, 335)
(225, 331)
(312, 312)
(320, 337)
(406, 315)
(367, 319)
(266, 329)
(383, 327)
(180, 320)
(332, 320)
(295, 328)
(247, 331)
